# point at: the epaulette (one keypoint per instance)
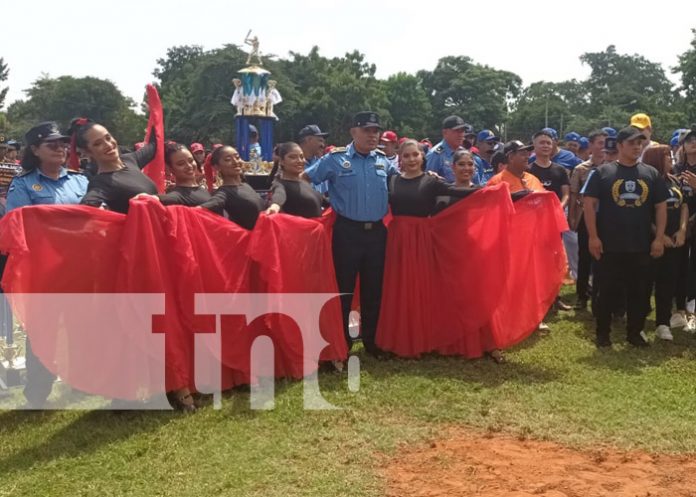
(380, 152)
(338, 150)
(70, 171)
(25, 173)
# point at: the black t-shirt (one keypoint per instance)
(297, 198)
(553, 177)
(190, 196)
(675, 200)
(241, 203)
(627, 198)
(418, 196)
(115, 189)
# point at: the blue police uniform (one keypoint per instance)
(484, 171)
(358, 193)
(35, 188)
(322, 187)
(357, 183)
(439, 160)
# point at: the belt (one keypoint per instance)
(367, 226)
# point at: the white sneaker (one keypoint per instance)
(543, 327)
(690, 324)
(678, 321)
(662, 332)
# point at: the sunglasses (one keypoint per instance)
(55, 144)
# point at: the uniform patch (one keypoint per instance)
(379, 166)
(346, 165)
(36, 187)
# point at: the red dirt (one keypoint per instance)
(468, 464)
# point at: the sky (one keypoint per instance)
(538, 40)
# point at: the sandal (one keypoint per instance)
(497, 356)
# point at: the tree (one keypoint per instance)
(409, 106)
(478, 93)
(4, 73)
(687, 68)
(63, 98)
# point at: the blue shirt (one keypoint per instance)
(439, 160)
(357, 183)
(322, 187)
(35, 188)
(257, 148)
(566, 158)
(484, 171)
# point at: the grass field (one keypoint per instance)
(557, 387)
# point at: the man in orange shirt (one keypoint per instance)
(515, 173)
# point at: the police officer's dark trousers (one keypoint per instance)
(359, 249)
(584, 262)
(622, 274)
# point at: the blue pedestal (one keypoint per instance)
(265, 126)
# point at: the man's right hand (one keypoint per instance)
(596, 247)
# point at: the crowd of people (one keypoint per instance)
(629, 199)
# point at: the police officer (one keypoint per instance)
(357, 182)
(312, 142)
(487, 143)
(439, 159)
(45, 181)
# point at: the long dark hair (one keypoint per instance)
(170, 149)
(216, 155)
(29, 160)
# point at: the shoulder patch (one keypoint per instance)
(24, 173)
(338, 150)
(379, 152)
(70, 171)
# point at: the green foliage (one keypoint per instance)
(63, 98)
(687, 68)
(4, 73)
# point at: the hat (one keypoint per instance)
(403, 139)
(498, 158)
(550, 132)
(674, 142)
(486, 135)
(584, 143)
(686, 133)
(366, 119)
(640, 121)
(610, 144)
(311, 130)
(455, 122)
(515, 146)
(389, 136)
(572, 137)
(197, 147)
(629, 133)
(610, 131)
(46, 131)
(253, 130)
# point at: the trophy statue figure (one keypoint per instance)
(272, 98)
(254, 52)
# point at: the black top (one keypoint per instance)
(689, 194)
(115, 189)
(296, 197)
(189, 196)
(552, 177)
(675, 200)
(627, 198)
(241, 203)
(418, 196)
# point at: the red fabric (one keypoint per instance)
(209, 173)
(175, 251)
(155, 170)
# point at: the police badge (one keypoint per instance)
(346, 165)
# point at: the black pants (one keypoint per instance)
(39, 379)
(584, 262)
(359, 249)
(682, 289)
(622, 274)
(665, 275)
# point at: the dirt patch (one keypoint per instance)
(467, 464)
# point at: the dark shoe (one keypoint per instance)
(580, 305)
(561, 306)
(638, 340)
(497, 356)
(603, 343)
(183, 403)
(376, 352)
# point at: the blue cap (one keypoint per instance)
(486, 135)
(674, 142)
(551, 131)
(572, 137)
(584, 143)
(611, 132)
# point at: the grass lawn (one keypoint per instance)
(557, 387)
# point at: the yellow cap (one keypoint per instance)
(641, 121)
